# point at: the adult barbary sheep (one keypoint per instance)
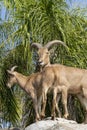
(36, 85)
(44, 60)
(73, 78)
(28, 84)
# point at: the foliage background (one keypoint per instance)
(38, 21)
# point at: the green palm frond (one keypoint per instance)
(40, 21)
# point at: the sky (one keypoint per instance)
(75, 3)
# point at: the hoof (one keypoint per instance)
(42, 116)
(52, 117)
(37, 119)
(66, 116)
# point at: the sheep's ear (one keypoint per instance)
(10, 72)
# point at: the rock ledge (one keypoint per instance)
(57, 124)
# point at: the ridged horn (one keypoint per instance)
(10, 72)
(36, 45)
(54, 42)
(13, 68)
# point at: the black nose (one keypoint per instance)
(39, 62)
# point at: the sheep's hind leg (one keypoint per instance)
(53, 114)
(64, 101)
(57, 108)
(83, 99)
(37, 117)
(44, 100)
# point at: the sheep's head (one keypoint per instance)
(43, 56)
(12, 79)
(44, 52)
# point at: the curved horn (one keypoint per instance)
(54, 42)
(10, 72)
(36, 45)
(13, 68)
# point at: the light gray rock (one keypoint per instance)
(57, 124)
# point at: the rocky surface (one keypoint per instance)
(57, 124)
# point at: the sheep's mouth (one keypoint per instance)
(8, 85)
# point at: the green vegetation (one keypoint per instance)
(40, 21)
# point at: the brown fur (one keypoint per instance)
(58, 77)
(69, 79)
